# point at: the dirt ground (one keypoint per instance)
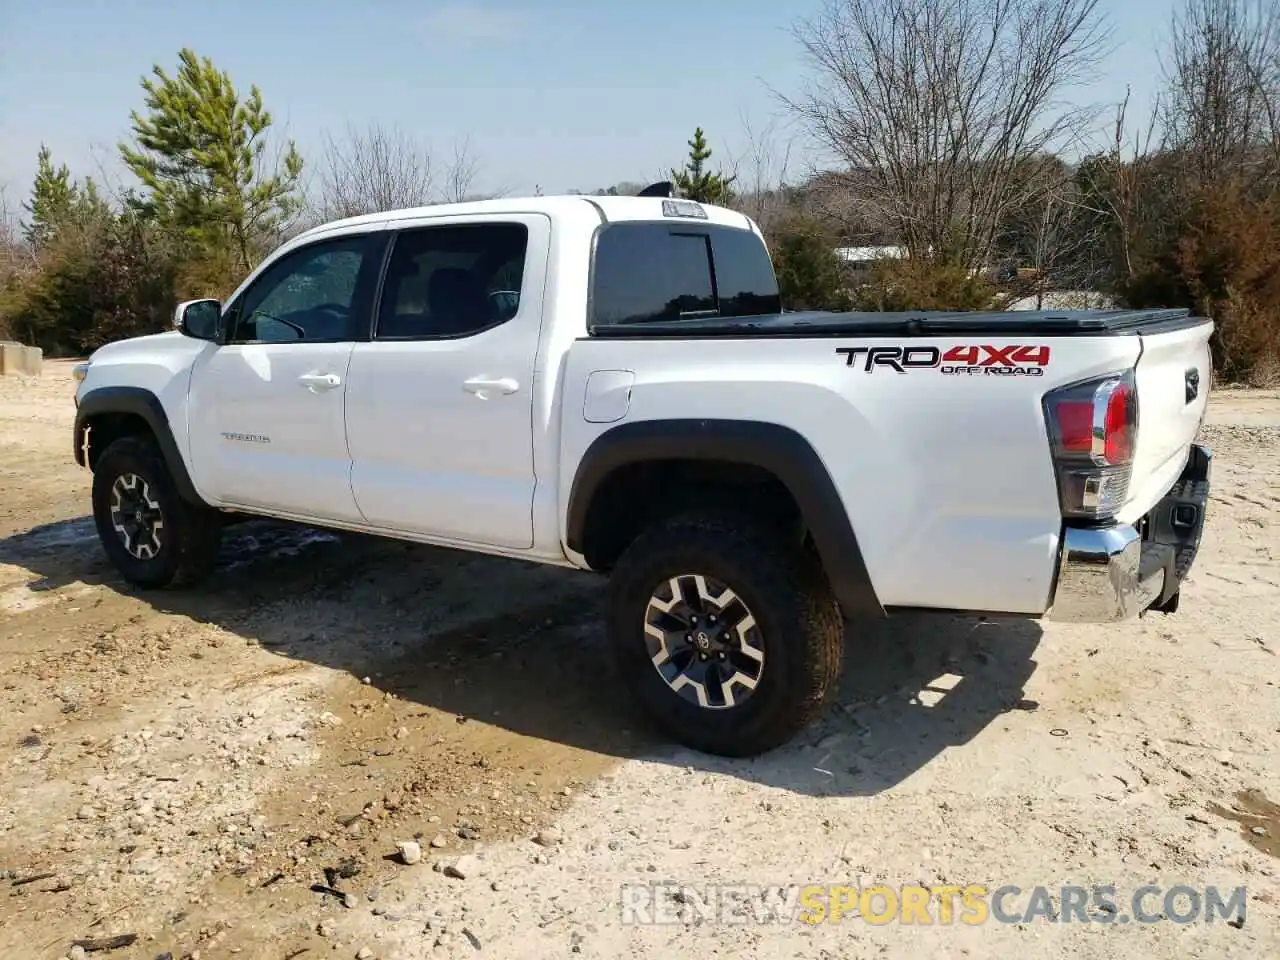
(226, 771)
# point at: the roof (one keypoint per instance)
(572, 205)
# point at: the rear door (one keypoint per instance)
(440, 407)
(267, 430)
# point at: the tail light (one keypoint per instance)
(1093, 432)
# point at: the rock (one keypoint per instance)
(348, 867)
(86, 813)
(463, 867)
(439, 841)
(1259, 831)
(77, 953)
(471, 937)
(495, 886)
(549, 837)
(349, 901)
(468, 833)
(410, 851)
(325, 928)
(364, 953)
(356, 828)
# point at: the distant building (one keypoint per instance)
(861, 258)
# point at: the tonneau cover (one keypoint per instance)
(1056, 323)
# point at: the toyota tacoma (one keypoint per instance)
(611, 384)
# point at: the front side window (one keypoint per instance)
(651, 271)
(310, 295)
(452, 281)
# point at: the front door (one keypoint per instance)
(267, 429)
(440, 412)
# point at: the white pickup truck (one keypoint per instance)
(609, 383)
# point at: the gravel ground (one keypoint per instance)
(227, 771)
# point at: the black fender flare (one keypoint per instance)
(770, 446)
(139, 402)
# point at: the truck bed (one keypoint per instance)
(1043, 323)
(945, 475)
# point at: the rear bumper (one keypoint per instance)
(1120, 571)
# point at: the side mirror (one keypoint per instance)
(200, 319)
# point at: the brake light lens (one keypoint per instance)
(1120, 423)
(1093, 432)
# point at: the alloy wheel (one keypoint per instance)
(704, 641)
(136, 516)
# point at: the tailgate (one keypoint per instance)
(1173, 375)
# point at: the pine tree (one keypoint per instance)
(52, 197)
(199, 152)
(696, 182)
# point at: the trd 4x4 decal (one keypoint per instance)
(1010, 360)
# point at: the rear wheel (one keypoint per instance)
(730, 639)
(152, 536)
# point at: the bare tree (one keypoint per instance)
(373, 169)
(8, 220)
(1115, 187)
(939, 106)
(1222, 101)
(9, 242)
(461, 175)
(1055, 243)
(761, 172)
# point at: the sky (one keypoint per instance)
(554, 95)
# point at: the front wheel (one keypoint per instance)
(730, 639)
(152, 536)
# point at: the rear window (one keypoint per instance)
(680, 271)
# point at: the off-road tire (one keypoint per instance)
(191, 534)
(801, 629)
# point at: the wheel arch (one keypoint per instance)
(763, 454)
(105, 414)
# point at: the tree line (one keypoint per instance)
(213, 192)
(946, 133)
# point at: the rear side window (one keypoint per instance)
(452, 281)
(666, 271)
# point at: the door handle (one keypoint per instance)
(1192, 384)
(319, 382)
(482, 387)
